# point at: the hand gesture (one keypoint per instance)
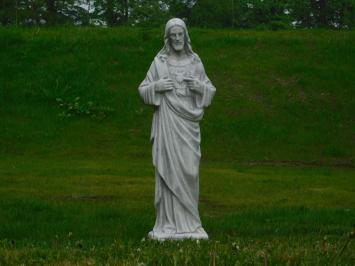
(164, 84)
(194, 84)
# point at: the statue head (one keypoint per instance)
(176, 38)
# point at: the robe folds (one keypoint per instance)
(175, 136)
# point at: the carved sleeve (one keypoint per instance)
(147, 87)
(209, 90)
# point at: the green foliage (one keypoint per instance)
(36, 12)
(209, 13)
(272, 14)
(147, 13)
(180, 8)
(111, 11)
(323, 14)
(78, 108)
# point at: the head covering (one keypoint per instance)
(171, 23)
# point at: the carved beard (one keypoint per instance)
(178, 46)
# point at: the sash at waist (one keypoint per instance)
(179, 108)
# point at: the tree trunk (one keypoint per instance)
(322, 15)
(51, 12)
(125, 11)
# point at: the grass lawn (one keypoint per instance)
(277, 173)
(84, 212)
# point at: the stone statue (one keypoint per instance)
(179, 89)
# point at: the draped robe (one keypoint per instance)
(176, 150)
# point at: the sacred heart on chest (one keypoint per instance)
(180, 83)
(179, 77)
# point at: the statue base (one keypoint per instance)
(200, 233)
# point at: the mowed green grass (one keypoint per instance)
(281, 96)
(277, 173)
(98, 211)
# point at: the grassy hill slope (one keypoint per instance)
(285, 95)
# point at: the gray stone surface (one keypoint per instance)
(177, 85)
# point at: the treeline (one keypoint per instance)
(269, 14)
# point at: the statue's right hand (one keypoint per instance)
(164, 84)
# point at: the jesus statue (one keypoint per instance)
(179, 89)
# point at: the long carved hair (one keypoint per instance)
(165, 51)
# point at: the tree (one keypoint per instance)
(51, 12)
(112, 12)
(180, 8)
(30, 12)
(272, 14)
(346, 14)
(323, 13)
(210, 13)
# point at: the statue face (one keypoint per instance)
(177, 38)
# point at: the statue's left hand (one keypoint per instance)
(194, 85)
